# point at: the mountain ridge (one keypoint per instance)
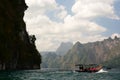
(63, 48)
(90, 53)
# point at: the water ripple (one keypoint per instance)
(57, 75)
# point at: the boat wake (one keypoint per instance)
(102, 71)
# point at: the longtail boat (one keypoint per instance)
(88, 68)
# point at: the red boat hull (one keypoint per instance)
(90, 69)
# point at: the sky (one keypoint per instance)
(56, 21)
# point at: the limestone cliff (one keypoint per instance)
(17, 49)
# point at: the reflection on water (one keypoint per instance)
(57, 75)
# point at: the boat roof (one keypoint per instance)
(86, 64)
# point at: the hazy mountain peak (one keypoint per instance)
(64, 47)
(78, 44)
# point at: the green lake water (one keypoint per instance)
(58, 75)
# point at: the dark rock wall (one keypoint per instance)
(16, 49)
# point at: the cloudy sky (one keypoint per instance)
(56, 21)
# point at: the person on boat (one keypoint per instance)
(81, 68)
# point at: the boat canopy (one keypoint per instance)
(86, 65)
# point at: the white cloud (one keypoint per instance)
(115, 34)
(45, 4)
(94, 8)
(77, 27)
(62, 13)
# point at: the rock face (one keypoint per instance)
(64, 48)
(17, 50)
(96, 52)
(106, 52)
(50, 60)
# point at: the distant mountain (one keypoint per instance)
(64, 48)
(106, 52)
(50, 60)
(96, 52)
(44, 53)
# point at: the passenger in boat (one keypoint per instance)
(81, 68)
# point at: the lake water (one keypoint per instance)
(58, 75)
